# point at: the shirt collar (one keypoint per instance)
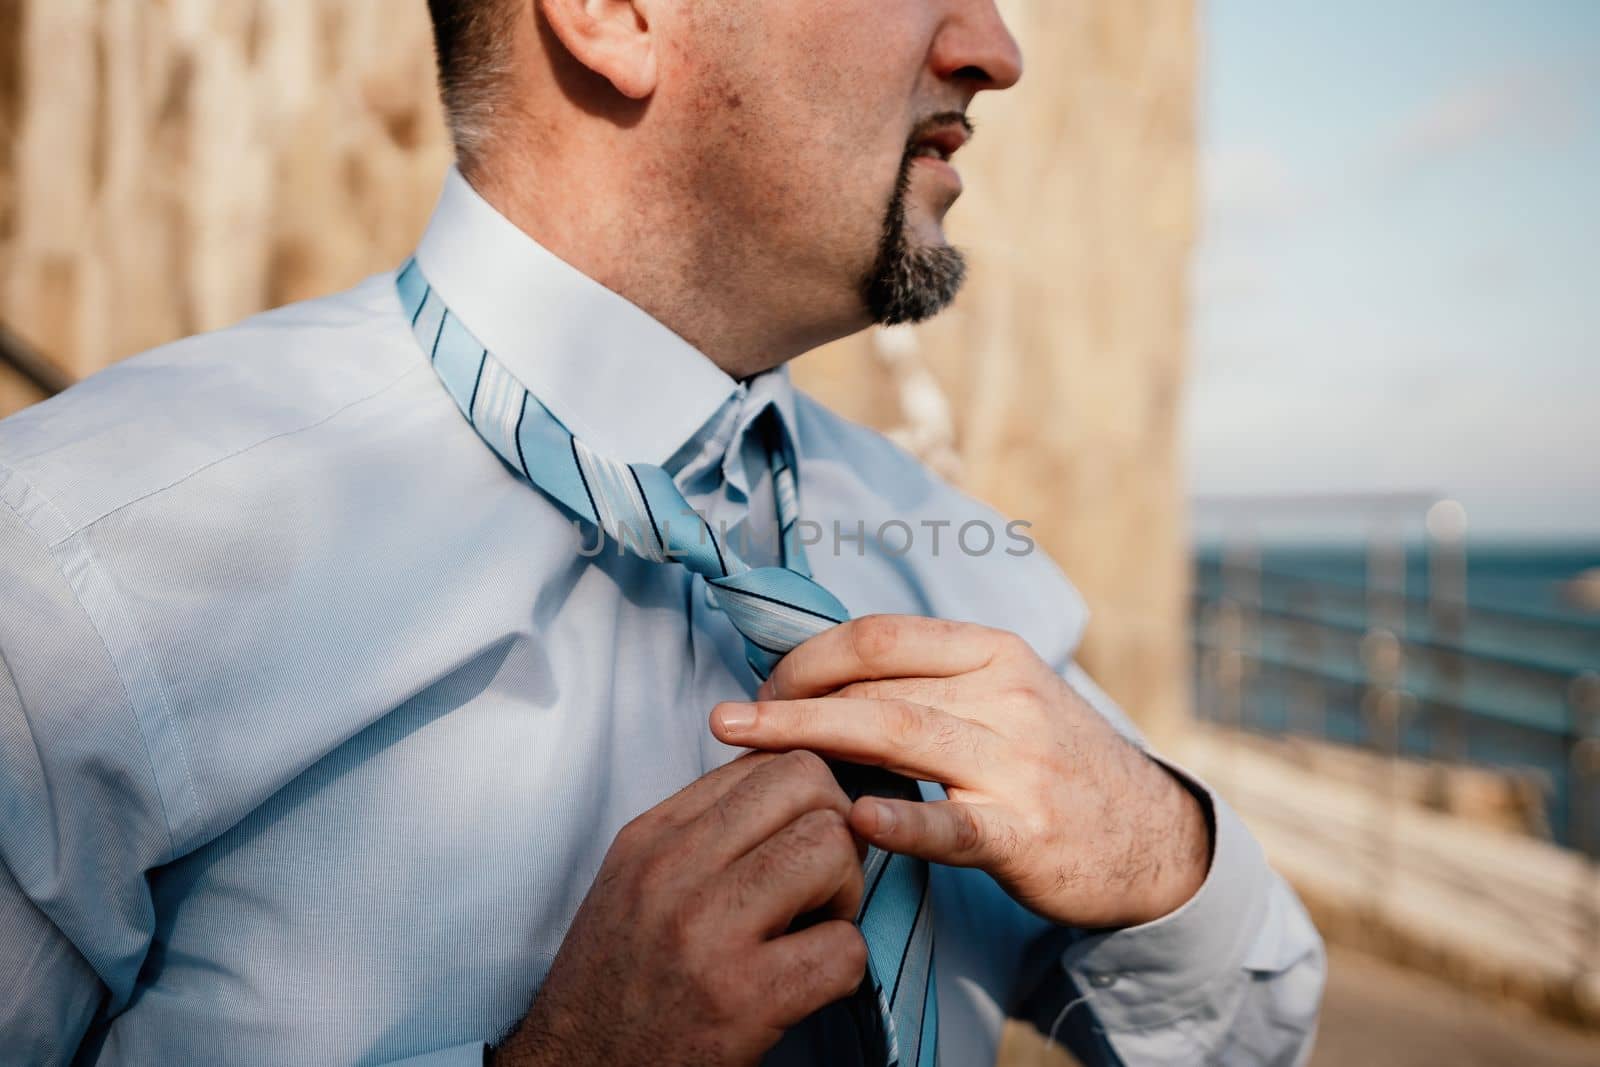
(620, 380)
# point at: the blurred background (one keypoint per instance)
(1281, 331)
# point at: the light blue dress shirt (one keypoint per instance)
(316, 721)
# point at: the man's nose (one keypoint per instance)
(974, 46)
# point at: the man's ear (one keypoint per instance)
(610, 37)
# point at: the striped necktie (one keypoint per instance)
(637, 505)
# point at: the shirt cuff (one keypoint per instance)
(460, 1056)
(1158, 972)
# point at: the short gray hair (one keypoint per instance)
(472, 42)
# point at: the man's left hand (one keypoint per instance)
(1074, 821)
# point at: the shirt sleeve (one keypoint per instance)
(1235, 975)
(81, 819)
(50, 992)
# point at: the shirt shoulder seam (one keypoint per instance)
(75, 529)
(97, 625)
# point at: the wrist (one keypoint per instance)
(1173, 847)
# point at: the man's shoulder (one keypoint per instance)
(152, 420)
(882, 467)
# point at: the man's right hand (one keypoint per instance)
(682, 952)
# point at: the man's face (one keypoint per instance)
(817, 134)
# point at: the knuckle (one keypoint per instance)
(850, 955)
(902, 721)
(634, 856)
(1023, 693)
(823, 841)
(1011, 646)
(823, 792)
(874, 637)
(635, 834)
(946, 732)
(821, 827)
(720, 813)
(763, 867)
(833, 966)
(1044, 768)
(836, 836)
(683, 923)
(968, 832)
(782, 675)
(854, 885)
(1035, 828)
(1008, 845)
(855, 875)
(805, 765)
(725, 991)
(652, 870)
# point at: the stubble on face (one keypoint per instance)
(781, 191)
(909, 282)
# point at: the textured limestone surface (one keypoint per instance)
(170, 167)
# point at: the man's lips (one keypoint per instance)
(940, 142)
(932, 147)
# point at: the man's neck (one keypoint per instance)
(665, 259)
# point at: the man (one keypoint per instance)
(338, 727)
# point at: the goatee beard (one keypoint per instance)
(909, 284)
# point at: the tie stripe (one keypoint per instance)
(619, 502)
(928, 1054)
(497, 407)
(638, 506)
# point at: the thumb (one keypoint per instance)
(951, 832)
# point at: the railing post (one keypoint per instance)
(1380, 654)
(1241, 581)
(1447, 617)
(1583, 817)
(1229, 679)
(1308, 712)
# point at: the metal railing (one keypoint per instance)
(1391, 658)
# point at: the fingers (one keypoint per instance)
(811, 968)
(951, 694)
(881, 646)
(809, 865)
(910, 739)
(694, 799)
(945, 831)
(763, 802)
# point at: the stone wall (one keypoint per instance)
(171, 167)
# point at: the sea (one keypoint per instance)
(1492, 651)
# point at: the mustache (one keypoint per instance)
(926, 127)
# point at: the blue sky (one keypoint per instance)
(1398, 285)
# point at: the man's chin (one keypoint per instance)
(914, 284)
(917, 273)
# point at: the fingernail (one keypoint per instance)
(736, 718)
(882, 816)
